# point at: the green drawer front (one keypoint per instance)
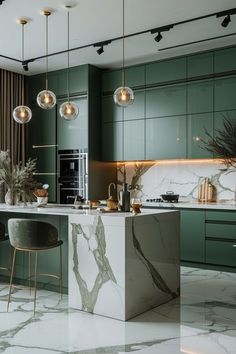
(222, 253)
(221, 215)
(224, 231)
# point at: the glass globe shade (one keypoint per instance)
(22, 114)
(69, 110)
(46, 99)
(123, 96)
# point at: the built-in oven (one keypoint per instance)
(73, 175)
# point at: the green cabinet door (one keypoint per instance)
(137, 109)
(78, 80)
(221, 253)
(113, 139)
(197, 123)
(225, 94)
(166, 70)
(192, 231)
(166, 101)
(111, 80)
(200, 97)
(135, 76)
(73, 134)
(42, 127)
(225, 60)
(220, 117)
(200, 64)
(110, 111)
(134, 135)
(166, 138)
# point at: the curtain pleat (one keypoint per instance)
(12, 134)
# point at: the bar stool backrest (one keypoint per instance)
(31, 234)
(2, 231)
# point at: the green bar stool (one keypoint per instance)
(3, 237)
(33, 236)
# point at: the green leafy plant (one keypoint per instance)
(18, 178)
(223, 145)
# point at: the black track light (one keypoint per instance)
(158, 38)
(25, 66)
(100, 50)
(1, 1)
(226, 21)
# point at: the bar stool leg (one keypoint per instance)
(12, 272)
(35, 279)
(60, 279)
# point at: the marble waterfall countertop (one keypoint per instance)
(191, 205)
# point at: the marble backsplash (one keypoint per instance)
(150, 179)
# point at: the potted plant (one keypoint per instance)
(17, 178)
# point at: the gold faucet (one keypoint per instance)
(109, 189)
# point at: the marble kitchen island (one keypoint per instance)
(119, 265)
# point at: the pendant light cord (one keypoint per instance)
(123, 46)
(46, 74)
(23, 55)
(68, 54)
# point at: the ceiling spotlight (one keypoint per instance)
(159, 37)
(100, 50)
(25, 65)
(226, 21)
(1, 1)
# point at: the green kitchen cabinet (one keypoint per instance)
(46, 158)
(225, 60)
(221, 253)
(166, 70)
(135, 76)
(166, 101)
(200, 64)
(113, 141)
(137, 109)
(197, 124)
(73, 134)
(134, 135)
(225, 94)
(111, 80)
(200, 97)
(192, 228)
(166, 138)
(110, 111)
(44, 123)
(78, 80)
(219, 118)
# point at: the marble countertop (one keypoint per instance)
(192, 205)
(66, 210)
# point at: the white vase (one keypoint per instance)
(11, 197)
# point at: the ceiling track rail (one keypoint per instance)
(160, 29)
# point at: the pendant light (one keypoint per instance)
(123, 96)
(46, 99)
(68, 110)
(22, 114)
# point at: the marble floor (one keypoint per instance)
(202, 321)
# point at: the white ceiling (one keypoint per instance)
(97, 20)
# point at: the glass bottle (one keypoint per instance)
(125, 198)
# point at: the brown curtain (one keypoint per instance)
(12, 134)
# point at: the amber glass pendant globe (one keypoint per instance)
(69, 110)
(22, 114)
(123, 96)
(46, 99)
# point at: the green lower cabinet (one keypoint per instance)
(112, 141)
(73, 134)
(197, 123)
(192, 235)
(166, 138)
(221, 252)
(134, 135)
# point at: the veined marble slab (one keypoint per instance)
(123, 265)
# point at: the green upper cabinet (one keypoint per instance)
(225, 94)
(78, 80)
(46, 159)
(73, 134)
(192, 228)
(134, 140)
(166, 101)
(135, 76)
(200, 97)
(137, 109)
(166, 70)
(166, 138)
(197, 123)
(111, 80)
(225, 60)
(219, 118)
(44, 123)
(110, 111)
(113, 141)
(200, 64)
